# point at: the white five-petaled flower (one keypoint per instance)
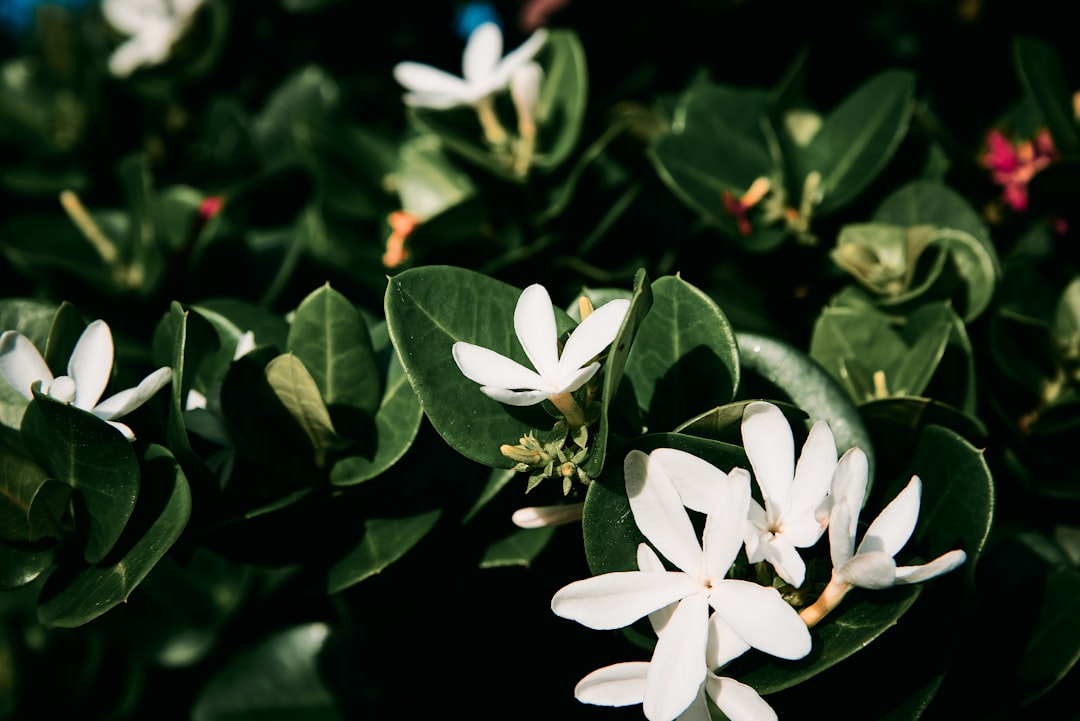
(872, 564)
(485, 71)
(755, 614)
(152, 26)
(88, 373)
(795, 513)
(510, 382)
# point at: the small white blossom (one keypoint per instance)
(485, 71)
(872, 564)
(509, 382)
(795, 513)
(88, 371)
(152, 27)
(756, 615)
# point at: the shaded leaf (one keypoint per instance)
(1044, 78)
(384, 541)
(32, 506)
(297, 391)
(520, 548)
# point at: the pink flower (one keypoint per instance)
(1013, 166)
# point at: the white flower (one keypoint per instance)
(872, 565)
(88, 372)
(510, 382)
(152, 26)
(795, 512)
(485, 71)
(755, 614)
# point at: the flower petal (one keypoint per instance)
(893, 526)
(126, 431)
(785, 560)
(678, 661)
(761, 617)
(534, 322)
(841, 541)
(738, 701)
(525, 89)
(647, 560)
(849, 485)
(515, 398)
(576, 380)
(544, 516)
(91, 364)
(660, 515)
(482, 53)
(726, 523)
(517, 58)
(593, 335)
(771, 449)
(21, 364)
(489, 368)
(128, 400)
(869, 569)
(427, 80)
(942, 564)
(622, 684)
(696, 480)
(757, 532)
(130, 16)
(814, 472)
(724, 644)
(614, 600)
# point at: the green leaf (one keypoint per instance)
(724, 423)
(329, 336)
(858, 138)
(497, 480)
(1053, 647)
(560, 109)
(876, 355)
(958, 495)
(231, 318)
(684, 358)
(520, 548)
(809, 386)
(64, 332)
(1044, 78)
(297, 391)
(617, 358)
(397, 421)
(19, 567)
(715, 145)
(93, 458)
(430, 308)
(276, 680)
(384, 541)
(308, 94)
(32, 506)
(863, 616)
(897, 424)
(74, 595)
(610, 534)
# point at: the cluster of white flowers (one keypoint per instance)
(704, 620)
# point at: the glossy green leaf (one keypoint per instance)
(397, 421)
(32, 506)
(958, 495)
(863, 617)
(428, 309)
(384, 541)
(329, 336)
(858, 138)
(19, 567)
(716, 144)
(298, 392)
(93, 458)
(520, 548)
(809, 386)
(610, 535)
(74, 595)
(897, 425)
(276, 680)
(684, 359)
(877, 355)
(618, 356)
(1044, 78)
(724, 423)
